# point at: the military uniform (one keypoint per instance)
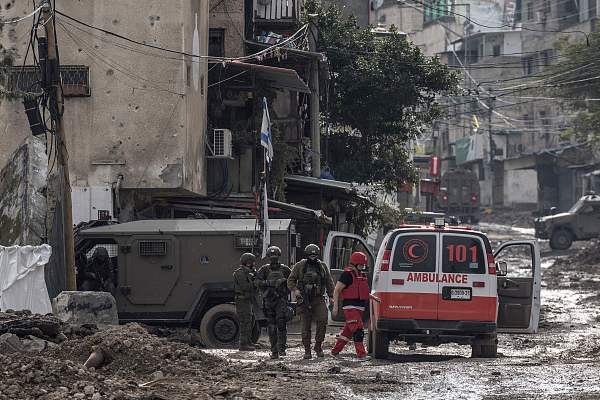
(272, 280)
(313, 279)
(244, 286)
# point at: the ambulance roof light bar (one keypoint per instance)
(440, 222)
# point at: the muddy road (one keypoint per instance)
(561, 361)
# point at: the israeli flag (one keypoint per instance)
(265, 133)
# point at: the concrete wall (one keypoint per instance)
(520, 187)
(229, 16)
(22, 195)
(146, 116)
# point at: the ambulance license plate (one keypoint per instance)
(460, 294)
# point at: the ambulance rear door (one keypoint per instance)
(406, 281)
(467, 285)
(519, 289)
(338, 248)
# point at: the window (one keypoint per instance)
(462, 255)
(415, 253)
(530, 14)
(496, 50)
(75, 80)
(435, 10)
(530, 66)
(151, 248)
(216, 42)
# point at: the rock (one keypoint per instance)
(81, 308)
(10, 343)
(435, 372)
(97, 396)
(36, 345)
(89, 390)
(496, 373)
(158, 375)
(334, 370)
(79, 396)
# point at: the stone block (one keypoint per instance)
(79, 308)
(10, 343)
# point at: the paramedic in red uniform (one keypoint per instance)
(354, 289)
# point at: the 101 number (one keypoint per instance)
(458, 253)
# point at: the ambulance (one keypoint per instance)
(440, 284)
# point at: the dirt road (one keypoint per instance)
(561, 361)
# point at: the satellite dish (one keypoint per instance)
(377, 4)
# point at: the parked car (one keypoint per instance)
(445, 284)
(581, 222)
(179, 272)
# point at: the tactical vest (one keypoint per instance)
(273, 275)
(313, 278)
(359, 289)
(248, 275)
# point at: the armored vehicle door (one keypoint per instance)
(588, 219)
(151, 269)
(338, 248)
(519, 285)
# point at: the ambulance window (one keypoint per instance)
(519, 260)
(415, 253)
(462, 254)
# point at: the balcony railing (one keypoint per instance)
(276, 10)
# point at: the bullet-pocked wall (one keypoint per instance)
(145, 116)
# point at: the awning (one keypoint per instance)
(340, 187)
(297, 211)
(276, 77)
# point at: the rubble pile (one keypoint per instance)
(519, 219)
(43, 358)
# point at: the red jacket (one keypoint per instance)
(359, 289)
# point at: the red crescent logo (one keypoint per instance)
(410, 251)
(415, 251)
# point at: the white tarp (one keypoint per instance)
(22, 284)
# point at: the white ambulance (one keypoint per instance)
(441, 284)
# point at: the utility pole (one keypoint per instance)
(492, 147)
(56, 103)
(315, 128)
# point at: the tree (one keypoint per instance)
(382, 94)
(575, 78)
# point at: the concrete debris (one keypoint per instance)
(82, 308)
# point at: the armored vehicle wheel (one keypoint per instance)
(561, 239)
(381, 344)
(219, 326)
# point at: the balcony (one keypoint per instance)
(276, 13)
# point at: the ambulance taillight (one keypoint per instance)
(385, 261)
(491, 264)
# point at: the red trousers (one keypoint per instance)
(352, 331)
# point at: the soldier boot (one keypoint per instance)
(319, 349)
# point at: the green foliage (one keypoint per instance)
(381, 94)
(578, 81)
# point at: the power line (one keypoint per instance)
(259, 54)
(17, 20)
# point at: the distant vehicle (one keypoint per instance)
(459, 195)
(444, 284)
(581, 222)
(179, 272)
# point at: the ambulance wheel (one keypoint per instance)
(561, 239)
(489, 350)
(381, 344)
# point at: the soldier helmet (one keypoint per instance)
(247, 259)
(273, 251)
(312, 250)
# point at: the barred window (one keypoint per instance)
(75, 80)
(153, 248)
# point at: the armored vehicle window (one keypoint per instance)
(462, 254)
(153, 248)
(415, 253)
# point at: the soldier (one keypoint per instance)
(272, 280)
(310, 280)
(243, 283)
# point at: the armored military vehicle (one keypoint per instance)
(459, 195)
(179, 272)
(581, 222)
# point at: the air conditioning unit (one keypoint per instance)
(221, 143)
